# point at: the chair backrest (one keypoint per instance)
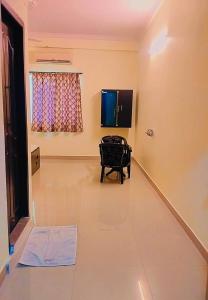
(112, 154)
(117, 139)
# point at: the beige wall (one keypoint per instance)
(173, 100)
(19, 9)
(104, 65)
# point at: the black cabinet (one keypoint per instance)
(116, 108)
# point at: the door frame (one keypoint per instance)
(21, 92)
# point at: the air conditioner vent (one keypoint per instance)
(53, 61)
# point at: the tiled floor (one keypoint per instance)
(130, 247)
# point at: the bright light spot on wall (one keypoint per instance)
(33, 3)
(159, 43)
(142, 5)
(141, 290)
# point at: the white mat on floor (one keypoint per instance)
(50, 246)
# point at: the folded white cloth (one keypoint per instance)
(50, 246)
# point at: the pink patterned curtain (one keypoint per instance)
(56, 102)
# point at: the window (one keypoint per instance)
(56, 102)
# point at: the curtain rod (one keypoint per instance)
(55, 72)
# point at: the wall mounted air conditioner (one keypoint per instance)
(53, 61)
(52, 58)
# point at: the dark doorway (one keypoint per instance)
(15, 121)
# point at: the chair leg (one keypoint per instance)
(121, 174)
(129, 171)
(102, 174)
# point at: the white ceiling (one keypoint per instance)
(113, 19)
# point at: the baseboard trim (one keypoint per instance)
(187, 229)
(71, 157)
(2, 275)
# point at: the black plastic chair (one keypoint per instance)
(115, 139)
(115, 154)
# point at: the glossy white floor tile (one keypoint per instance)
(130, 247)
